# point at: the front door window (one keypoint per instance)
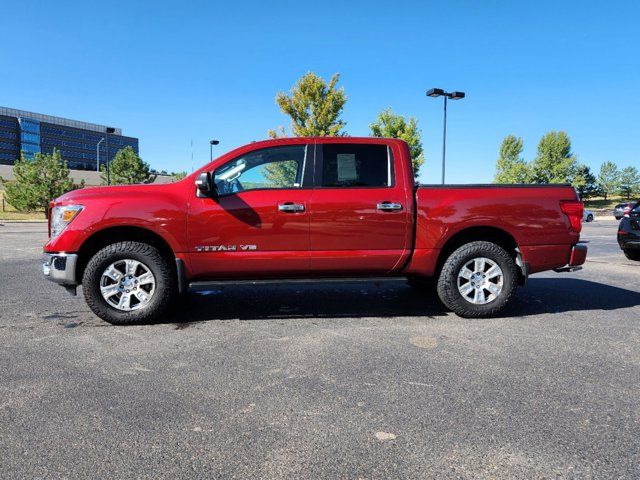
(266, 169)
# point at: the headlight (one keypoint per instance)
(62, 216)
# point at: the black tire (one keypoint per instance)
(632, 254)
(589, 218)
(166, 288)
(448, 280)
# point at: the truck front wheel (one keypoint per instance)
(129, 282)
(478, 280)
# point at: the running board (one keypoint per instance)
(298, 281)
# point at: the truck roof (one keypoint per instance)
(299, 140)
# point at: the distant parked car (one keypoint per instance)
(622, 208)
(629, 233)
(587, 216)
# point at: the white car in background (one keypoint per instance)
(587, 216)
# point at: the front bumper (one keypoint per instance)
(60, 268)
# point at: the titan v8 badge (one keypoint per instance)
(225, 248)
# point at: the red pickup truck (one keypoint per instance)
(319, 208)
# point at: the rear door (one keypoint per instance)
(361, 215)
(258, 223)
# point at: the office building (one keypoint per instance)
(77, 141)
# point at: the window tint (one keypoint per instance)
(277, 167)
(353, 165)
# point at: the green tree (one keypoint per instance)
(38, 181)
(608, 178)
(629, 181)
(584, 182)
(314, 107)
(390, 125)
(554, 162)
(510, 166)
(127, 168)
(179, 175)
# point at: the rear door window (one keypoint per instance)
(354, 165)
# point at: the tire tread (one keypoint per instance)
(448, 290)
(166, 284)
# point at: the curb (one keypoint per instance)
(4, 222)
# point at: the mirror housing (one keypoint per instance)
(204, 185)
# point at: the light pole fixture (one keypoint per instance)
(438, 92)
(211, 144)
(98, 154)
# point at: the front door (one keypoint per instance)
(257, 224)
(361, 213)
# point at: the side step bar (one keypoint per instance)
(298, 281)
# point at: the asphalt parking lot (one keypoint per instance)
(323, 381)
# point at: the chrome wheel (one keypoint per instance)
(127, 285)
(480, 280)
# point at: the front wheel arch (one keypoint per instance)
(108, 236)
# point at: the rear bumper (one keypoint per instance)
(60, 268)
(578, 255)
(631, 244)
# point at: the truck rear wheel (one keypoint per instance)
(478, 280)
(129, 282)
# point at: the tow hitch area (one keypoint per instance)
(568, 269)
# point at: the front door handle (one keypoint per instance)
(291, 207)
(389, 206)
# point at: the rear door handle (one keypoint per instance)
(291, 207)
(389, 206)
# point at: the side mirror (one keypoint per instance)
(204, 185)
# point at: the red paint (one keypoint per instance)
(340, 231)
(578, 255)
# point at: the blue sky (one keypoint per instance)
(172, 72)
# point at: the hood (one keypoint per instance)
(112, 192)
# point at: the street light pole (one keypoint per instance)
(211, 144)
(444, 137)
(438, 92)
(108, 131)
(98, 154)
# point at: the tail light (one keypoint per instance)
(573, 209)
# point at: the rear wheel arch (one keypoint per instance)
(496, 235)
(105, 237)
